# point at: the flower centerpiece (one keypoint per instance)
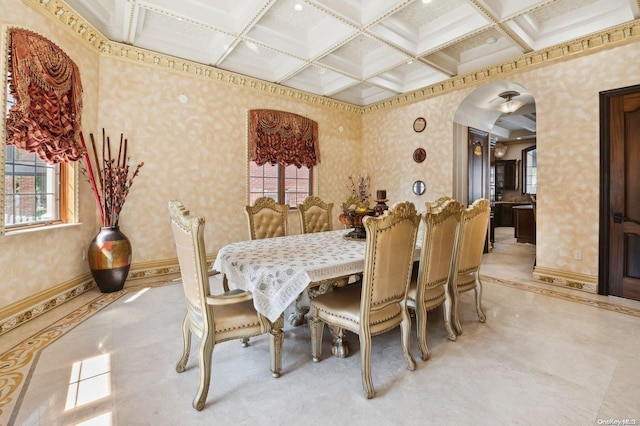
(356, 207)
(110, 251)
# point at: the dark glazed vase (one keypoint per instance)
(110, 259)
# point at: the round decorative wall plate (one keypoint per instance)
(419, 155)
(419, 124)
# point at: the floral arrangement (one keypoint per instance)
(112, 181)
(359, 187)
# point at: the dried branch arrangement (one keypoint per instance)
(111, 181)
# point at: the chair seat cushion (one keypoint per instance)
(340, 307)
(235, 316)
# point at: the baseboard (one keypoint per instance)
(587, 283)
(32, 307)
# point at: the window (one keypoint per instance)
(32, 188)
(530, 170)
(286, 185)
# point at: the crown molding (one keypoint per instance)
(59, 11)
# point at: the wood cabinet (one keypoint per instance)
(506, 174)
(525, 224)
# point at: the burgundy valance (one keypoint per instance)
(45, 84)
(279, 137)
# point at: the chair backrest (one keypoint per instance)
(441, 227)
(267, 219)
(188, 233)
(390, 243)
(437, 203)
(473, 232)
(315, 215)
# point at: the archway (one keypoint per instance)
(478, 127)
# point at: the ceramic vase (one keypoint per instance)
(110, 259)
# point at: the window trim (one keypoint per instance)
(525, 151)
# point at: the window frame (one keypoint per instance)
(525, 167)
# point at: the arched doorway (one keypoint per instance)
(500, 175)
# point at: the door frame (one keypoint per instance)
(605, 182)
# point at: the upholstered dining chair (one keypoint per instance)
(213, 318)
(267, 219)
(315, 215)
(430, 288)
(379, 304)
(469, 247)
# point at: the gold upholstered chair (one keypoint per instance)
(468, 257)
(315, 215)
(267, 219)
(213, 318)
(379, 304)
(430, 286)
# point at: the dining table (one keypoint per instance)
(278, 270)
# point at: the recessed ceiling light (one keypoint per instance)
(298, 7)
(409, 62)
(490, 40)
(426, 1)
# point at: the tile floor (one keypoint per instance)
(545, 355)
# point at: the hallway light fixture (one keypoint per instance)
(499, 150)
(509, 105)
(477, 148)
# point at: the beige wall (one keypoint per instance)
(568, 142)
(196, 152)
(31, 263)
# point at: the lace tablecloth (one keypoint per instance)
(277, 270)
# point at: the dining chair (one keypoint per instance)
(430, 287)
(379, 303)
(267, 219)
(213, 318)
(468, 257)
(315, 215)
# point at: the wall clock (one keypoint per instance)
(419, 124)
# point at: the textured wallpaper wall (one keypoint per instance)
(31, 263)
(197, 151)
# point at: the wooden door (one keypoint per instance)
(620, 201)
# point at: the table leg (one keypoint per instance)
(298, 317)
(340, 346)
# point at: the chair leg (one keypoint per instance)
(365, 364)
(481, 316)
(456, 320)
(186, 345)
(405, 328)
(421, 326)
(245, 342)
(276, 338)
(447, 317)
(205, 355)
(317, 329)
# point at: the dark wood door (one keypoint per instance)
(622, 194)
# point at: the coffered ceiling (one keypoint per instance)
(355, 51)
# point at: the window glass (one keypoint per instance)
(31, 187)
(286, 185)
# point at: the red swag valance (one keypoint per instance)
(279, 137)
(46, 85)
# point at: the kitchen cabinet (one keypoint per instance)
(506, 174)
(525, 224)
